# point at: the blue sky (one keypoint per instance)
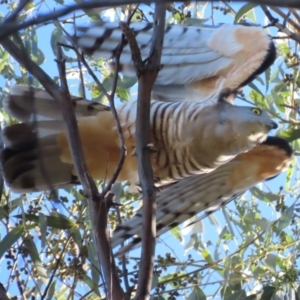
(210, 232)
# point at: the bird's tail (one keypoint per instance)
(31, 158)
(30, 163)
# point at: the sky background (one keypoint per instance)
(210, 227)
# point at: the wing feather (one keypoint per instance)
(208, 192)
(228, 56)
(23, 102)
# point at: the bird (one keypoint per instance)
(197, 63)
(186, 139)
(207, 193)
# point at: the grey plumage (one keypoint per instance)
(187, 139)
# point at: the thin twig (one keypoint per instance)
(81, 78)
(68, 114)
(110, 97)
(146, 73)
(134, 48)
(12, 17)
(296, 15)
(123, 258)
(286, 17)
(98, 206)
(58, 260)
(11, 27)
(123, 150)
(274, 22)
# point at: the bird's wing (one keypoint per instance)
(208, 192)
(197, 62)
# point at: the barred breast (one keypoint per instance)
(172, 136)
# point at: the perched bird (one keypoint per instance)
(187, 139)
(197, 62)
(208, 192)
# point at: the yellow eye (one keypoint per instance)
(257, 111)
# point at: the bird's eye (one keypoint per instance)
(257, 111)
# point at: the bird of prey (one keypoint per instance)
(197, 62)
(187, 139)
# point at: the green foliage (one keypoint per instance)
(248, 250)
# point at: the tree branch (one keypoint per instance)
(98, 206)
(110, 97)
(146, 73)
(282, 28)
(98, 209)
(143, 154)
(146, 79)
(17, 10)
(11, 27)
(284, 16)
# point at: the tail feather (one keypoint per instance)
(19, 137)
(37, 155)
(36, 170)
(23, 102)
(33, 164)
(32, 158)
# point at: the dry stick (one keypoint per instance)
(16, 11)
(98, 206)
(120, 134)
(123, 259)
(275, 22)
(143, 154)
(284, 15)
(146, 74)
(110, 97)
(102, 215)
(102, 239)
(81, 78)
(12, 27)
(58, 260)
(295, 14)
(94, 200)
(123, 150)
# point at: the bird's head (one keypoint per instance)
(251, 122)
